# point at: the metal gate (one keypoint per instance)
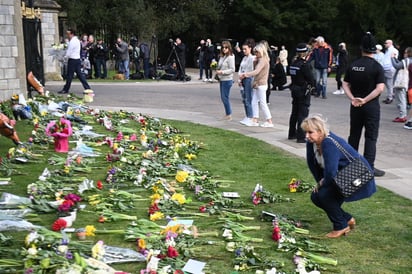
(33, 48)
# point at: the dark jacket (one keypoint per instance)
(335, 160)
(100, 51)
(322, 57)
(342, 59)
(301, 74)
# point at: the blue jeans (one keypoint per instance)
(124, 68)
(224, 95)
(74, 65)
(101, 63)
(246, 92)
(321, 81)
(330, 200)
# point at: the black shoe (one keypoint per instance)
(62, 92)
(378, 172)
(291, 137)
(301, 141)
(324, 97)
(387, 101)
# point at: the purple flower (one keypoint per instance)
(69, 255)
(28, 271)
(238, 252)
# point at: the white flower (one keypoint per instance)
(62, 249)
(227, 233)
(32, 251)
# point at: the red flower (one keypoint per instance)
(102, 219)
(202, 209)
(276, 236)
(172, 252)
(59, 224)
(99, 184)
(153, 208)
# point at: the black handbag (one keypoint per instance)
(353, 176)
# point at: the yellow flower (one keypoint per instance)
(180, 198)
(174, 229)
(141, 244)
(155, 197)
(181, 176)
(190, 156)
(11, 151)
(98, 250)
(143, 138)
(35, 121)
(156, 216)
(292, 189)
(66, 169)
(115, 146)
(292, 181)
(90, 230)
(43, 113)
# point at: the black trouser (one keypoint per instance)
(300, 110)
(208, 70)
(338, 78)
(74, 65)
(367, 117)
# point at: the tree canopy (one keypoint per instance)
(280, 22)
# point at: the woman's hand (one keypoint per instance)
(318, 185)
(219, 72)
(242, 76)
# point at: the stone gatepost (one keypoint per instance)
(12, 60)
(50, 35)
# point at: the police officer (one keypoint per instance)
(363, 83)
(301, 87)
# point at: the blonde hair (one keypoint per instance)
(261, 48)
(316, 122)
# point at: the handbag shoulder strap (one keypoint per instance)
(342, 149)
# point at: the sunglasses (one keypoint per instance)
(225, 47)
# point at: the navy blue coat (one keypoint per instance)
(335, 160)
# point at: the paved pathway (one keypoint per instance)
(199, 102)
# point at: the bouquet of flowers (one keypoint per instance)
(61, 131)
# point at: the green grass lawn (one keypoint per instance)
(381, 243)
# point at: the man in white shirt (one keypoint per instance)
(73, 62)
(389, 69)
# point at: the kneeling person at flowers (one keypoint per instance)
(325, 159)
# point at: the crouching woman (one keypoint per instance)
(324, 160)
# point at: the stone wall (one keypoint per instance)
(50, 35)
(12, 62)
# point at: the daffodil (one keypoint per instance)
(181, 176)
(43, 113)
(190, 156)
(156, 216)
(178, 197)
(66, 169)
(141, 244)
(90, 230)
(155, 197)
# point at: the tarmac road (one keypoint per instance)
(199, 102)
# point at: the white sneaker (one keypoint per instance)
(205, 80)
(210, 80)
(244, 121)
(338, 92)
(266, 124)
(251, 123)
